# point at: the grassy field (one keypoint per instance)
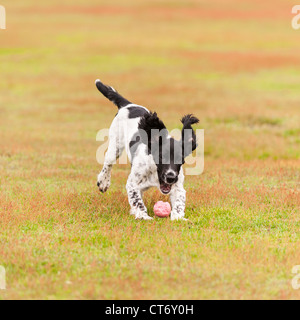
(234, 64)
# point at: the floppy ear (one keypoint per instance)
(152, 130)
(188, 136)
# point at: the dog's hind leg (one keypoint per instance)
(114, 151)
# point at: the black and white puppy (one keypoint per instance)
(156, 158)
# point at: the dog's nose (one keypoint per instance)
(171, 177)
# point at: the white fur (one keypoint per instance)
(143, 173)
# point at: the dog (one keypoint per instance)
(156, 158)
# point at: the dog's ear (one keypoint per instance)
(188, 136)
(152, 130)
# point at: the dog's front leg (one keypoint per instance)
(138, 208)
(178, 197)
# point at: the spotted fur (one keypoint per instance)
(132, 129)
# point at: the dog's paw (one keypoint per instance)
(140, 215)
(143, 217)
(103, 182)
(177, 216)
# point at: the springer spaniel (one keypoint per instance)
(156, 158)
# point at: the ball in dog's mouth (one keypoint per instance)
(165, 188)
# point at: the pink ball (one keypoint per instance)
(162, 209)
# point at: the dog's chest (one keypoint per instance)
(145, 174)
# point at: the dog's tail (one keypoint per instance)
(111, 94)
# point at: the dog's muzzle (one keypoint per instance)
(165, 188)
(169, 179)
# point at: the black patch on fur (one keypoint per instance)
(136, 112)
(112, 95)
(134, 143)
(151, 121)
(152, 130)
(136, 200)
(170, 157)
(188, 136)
(168, 153)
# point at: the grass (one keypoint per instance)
(236, 69)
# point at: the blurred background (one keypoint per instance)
(234, 64)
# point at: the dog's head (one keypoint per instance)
(168, 153)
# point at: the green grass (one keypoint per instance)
(60, 238)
